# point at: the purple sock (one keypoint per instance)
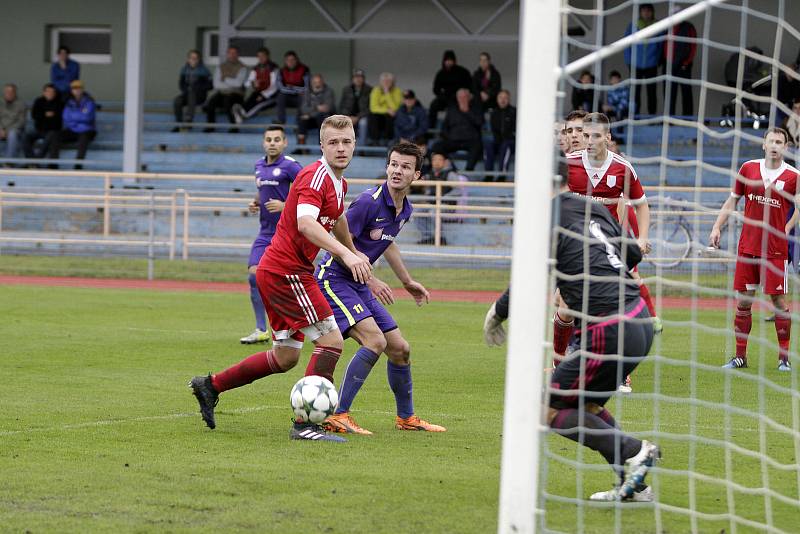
(258, 305)
(400, 382)
(357, 372)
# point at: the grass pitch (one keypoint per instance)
(99, 431)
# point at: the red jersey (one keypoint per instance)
(315, 188)
(768, 198)
(605, 184)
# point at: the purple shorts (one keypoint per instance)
(352, 302)
(257, 250)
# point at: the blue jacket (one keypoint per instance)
(79, 116)
(648, 52)
(410, 124)
(61, 78)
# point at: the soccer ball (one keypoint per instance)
(313, 399)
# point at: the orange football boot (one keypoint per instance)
(415, 423)
(343, 424)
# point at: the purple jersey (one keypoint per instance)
(273, 181)
(374, 223)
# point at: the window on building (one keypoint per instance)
(87, 44)
(247, 47)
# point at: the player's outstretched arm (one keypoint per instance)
(716, 231)
(315, 232)
(643, 220)
(414, 288)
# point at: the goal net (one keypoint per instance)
(690, 94)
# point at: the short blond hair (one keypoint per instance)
(338, 122)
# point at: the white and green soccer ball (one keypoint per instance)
(313, 399)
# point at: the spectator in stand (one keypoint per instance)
(355, 104)
(63, 72)
(644, 66)
(503, 120)
(229, 78)
(47, 121)
(486, 82)
(293, 80)
(678, 58)
(194, 82)
(78, 122)
(788, 89)
(792, 125)
(583, 94)
(422, 145)
(462, 129)
(450, 78)
(442, 169)
(411, 121)
(384, 101)
(12, 120)
(618, 99)
(318, 104)
(263, 80)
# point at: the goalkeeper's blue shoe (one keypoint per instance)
(784, 366)
(312, 432)
(736, 363)
(639, 465)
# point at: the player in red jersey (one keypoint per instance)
(610, 179)
(769, 187)
(295, 305)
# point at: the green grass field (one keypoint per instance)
(99, 431)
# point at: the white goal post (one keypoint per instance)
(539, 73)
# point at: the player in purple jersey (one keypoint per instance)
(274, 174)
(375, 218)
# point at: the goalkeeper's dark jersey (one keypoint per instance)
(582, 221)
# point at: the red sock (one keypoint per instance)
(251, 368)
(783, 327)
(741, 326)
(645, 294)
(323, 362)
(562, 331)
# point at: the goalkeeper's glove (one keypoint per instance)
(494, 334)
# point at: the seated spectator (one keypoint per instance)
(486, 82)
(462, 129)
(450, 78)
(318, 104)
(355, 104)
(263, 80)
(425, 169)
(63, 72)
(47, 120)
(293, 80)
(78, 122)
(12, 120)
(503, 120)
(792, 125)
(411, 121)
(583, 94)
(229, 78)
(194, 82)
(441, 170)
(618, 99)
(384, 101)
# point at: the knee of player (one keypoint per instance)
(287, 357)
(399, 353)
(376, 343)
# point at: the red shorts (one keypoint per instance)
(293, 303)
(769, 273)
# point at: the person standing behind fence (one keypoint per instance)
(194, 82)
(678, 58)
(64, 71)
(644, 60)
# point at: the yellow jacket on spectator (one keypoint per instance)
(381, 102)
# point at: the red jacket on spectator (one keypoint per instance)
(681, 52)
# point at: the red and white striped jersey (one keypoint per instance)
(316, 189)
(608, 183)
